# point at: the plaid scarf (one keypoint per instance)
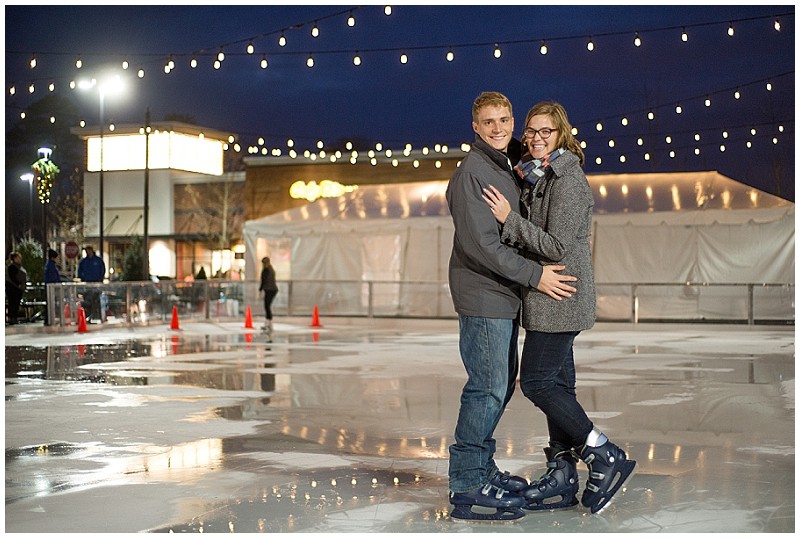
(531, 169)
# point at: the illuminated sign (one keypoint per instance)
(325, 189)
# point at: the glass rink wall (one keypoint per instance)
(147, 302)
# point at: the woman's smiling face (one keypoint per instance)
(539, 145)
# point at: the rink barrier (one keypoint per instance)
(148, 302)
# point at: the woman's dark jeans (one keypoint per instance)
(547, 378)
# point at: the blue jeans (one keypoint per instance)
(489, 352)
(547, 379)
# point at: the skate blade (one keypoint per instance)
(558, 505)
(627, 472)
(466, 514)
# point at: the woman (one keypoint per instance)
(270, 289)
(559, 204)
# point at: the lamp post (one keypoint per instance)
(109, 85)
(29, 178)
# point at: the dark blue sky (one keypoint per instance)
(427, 100)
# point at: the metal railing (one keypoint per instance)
(224, 300)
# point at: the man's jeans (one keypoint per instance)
(489, 352)
(547, 378)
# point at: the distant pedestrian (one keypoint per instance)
(270, 289)
(92, 269)
(52, 275)
(16, 281)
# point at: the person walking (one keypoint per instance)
(16, 281)
(485, 278)
(52, 275)
(270, 289)
(558, 201)
(92, 269)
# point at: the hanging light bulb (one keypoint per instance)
(450, 55)
(387, 10)
(12, 90)
(193, 63)
(31, 88)
(543, 48)
(708, 101)
(684, 35)
(220, 55)
(78, 63)
(668, 139)
(264, 63)
(357, 59)
(217, 64)
(647, 156)
(651, 116)
(639, 142)
(637, 40)
(33, 62)
(769, 86)
(599, 126)
(737, 95)
(697, 151)
(678, 109)
(730, 29)
(282, 40)
(611, 143)
(310, 61)
(722, 148)
(250, 48)
(724, 134)
(622, 158)
(52, 87)
(497, 51)
(351, 21)
(697, 137)
(753, 131)
(140, 73)
(404, 58)
(590, 45)
(624, 121)
(598, 161)
(125, 64)
(777, 25)
(315, 30)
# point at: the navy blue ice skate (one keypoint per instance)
(508, 481)
(609, 468)
(558, 486)
(497, 504)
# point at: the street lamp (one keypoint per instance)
(29, 178)
(109, 85)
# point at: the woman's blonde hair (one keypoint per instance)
(559, 117)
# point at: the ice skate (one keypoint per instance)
(558, 486)
(507, 481)
(267, 326)
(493, 505)
(609, 469)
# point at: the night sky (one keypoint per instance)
(428, 100)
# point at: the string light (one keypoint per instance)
(282, 40)
(351, 21)
(217, 64)
(140, 73)
(590, 45)
(33, 62)
(404, 58)
(125, 64)
(637, 41)
(264, 63)
(193, 63)
(315, 30)
(78, 63)
(678, 109)
(624, 121)
(387, 10)
(708, 101)
(777, 25)
(450, 55)
(737, 94)
(31, 88)
(12, 90)
(769, 86)
(684, 35)
(599, 126)
(220, 55)
(310, 61)
(497, 51)
(250, 48)
(651, 116)
(543, 48)
(357, 59)
(730, 29)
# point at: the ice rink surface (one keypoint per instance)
(345, 428)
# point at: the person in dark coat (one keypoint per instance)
(16, 280)
(269, 287)
(52, 275)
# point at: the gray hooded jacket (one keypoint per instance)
(485, 274)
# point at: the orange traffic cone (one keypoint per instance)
(82, 328)
(315, 318)
(174, 326)
(248, 318)
(67, 315)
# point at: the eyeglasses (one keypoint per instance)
(543, 133)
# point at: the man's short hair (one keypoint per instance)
(489, 99)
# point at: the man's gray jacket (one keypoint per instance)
(485, 274)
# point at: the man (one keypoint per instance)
(52, 275)
(16, 282)
(92, 269)
(485, 279)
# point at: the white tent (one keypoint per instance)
(648, 228)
